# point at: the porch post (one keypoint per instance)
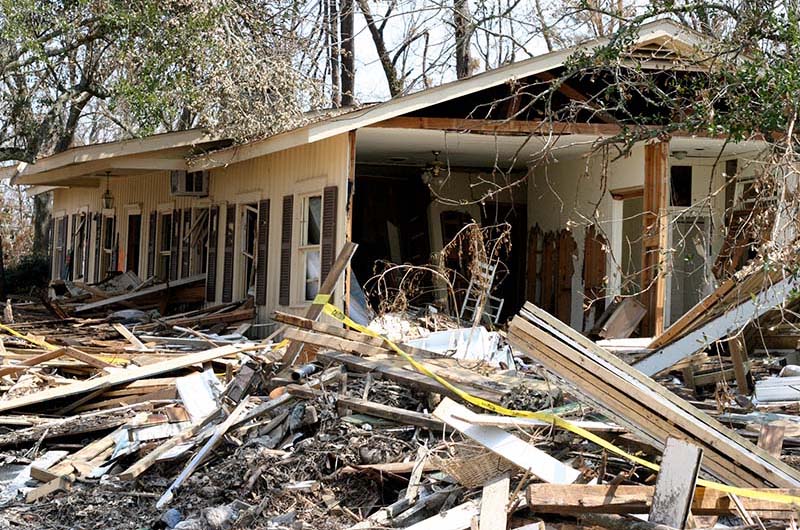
(655, 235)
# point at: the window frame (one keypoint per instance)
(305, 248)
(244, 283)
(163, 256)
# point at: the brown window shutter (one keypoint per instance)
(151, 245)
(262, 252)
(114, 261)
(286, 250)
(328, 239)
(51, 240)
(98, 245)
(87, 245)
(175, 245)
(63, 243)
(230, 239)
(213, 243)
(185, 243)
(74, 225)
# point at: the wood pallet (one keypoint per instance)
(635, 401)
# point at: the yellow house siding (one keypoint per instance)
(297, 171)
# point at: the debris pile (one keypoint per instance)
(136, 420)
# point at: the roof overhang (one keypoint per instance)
(160, 152)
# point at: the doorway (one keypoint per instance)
(134, 242)
(688, 283)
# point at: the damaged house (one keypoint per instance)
(400, 178)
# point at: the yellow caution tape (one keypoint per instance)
(41, 343)
(551, 418)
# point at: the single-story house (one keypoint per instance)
(269, 216)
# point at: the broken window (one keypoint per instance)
(79, 246)
(681, 186)
(59, 245)
(164, 244)
(249, 234)
(107, 245)
(310, 231)
(197, 237)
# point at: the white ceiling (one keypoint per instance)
(415, 146)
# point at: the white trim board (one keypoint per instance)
(513, 449)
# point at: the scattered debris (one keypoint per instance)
(135, 418)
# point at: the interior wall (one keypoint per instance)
(573, 193)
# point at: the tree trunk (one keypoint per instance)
(395, 86)
(461, 23)
(41, 219)
(334, 52)
(2, 271)
(348, 53)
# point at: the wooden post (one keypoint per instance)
(738, 351)
(672, 497)
(655, 228)
(348, 212)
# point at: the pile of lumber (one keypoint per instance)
(640, 404)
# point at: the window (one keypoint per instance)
(198, 240)
(310, 232)
(681, 186)
(107, 246)
(164, 245)
(189, 183)
(59, 242)
(249, 234)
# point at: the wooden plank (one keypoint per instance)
(493, 514)
(61, 483)
(605, 498)
(655, 232)
(508, 446)
(122, 376)
(729, 322)
(127, 297)
(32, 361)
(738, 350)
(86, 358)
(596, 391)
(379, 410)
(197, 459)
(329, 329)
(395, 373)
(624, 320)
(133, 339)
(625, 394)
(672, 498)
(327, 288)
(456, 518)
(691, 317)
(770, 438)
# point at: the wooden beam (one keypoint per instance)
(493, 514)
(585, 498)
(408, 417)
(504, 127)
(640, 404)
(730, 321)
(127, 297)
(121, 376)
(570, 92)
(675, 484)
(655, 235)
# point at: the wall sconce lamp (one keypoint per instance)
(108, 199)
